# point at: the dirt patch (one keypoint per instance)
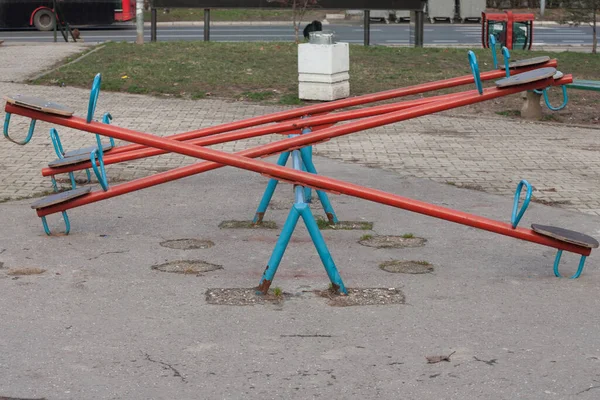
(192, 267)
(391, 242)
(550, 202)
(25, 271)
(283, 205)
(406, 267)
(247, 225)
(244, 297)
(187, 244)
(345, 225)
(363, 297)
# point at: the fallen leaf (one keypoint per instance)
(124, 77)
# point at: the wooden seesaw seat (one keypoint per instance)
(527, 62)
(35, 103)
(565, 235)
(61, 197)
(527, 77)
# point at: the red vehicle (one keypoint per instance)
(40, 13)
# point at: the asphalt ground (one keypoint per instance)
(99, 323)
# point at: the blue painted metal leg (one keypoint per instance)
(317, 238)
(280, 246)
(310, 167)
(268, 195)
(308, 155)
(579, 269)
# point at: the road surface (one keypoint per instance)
(435, 34)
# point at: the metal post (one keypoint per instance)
(153, 24)
(419, 28)
(207, 24)
(139, 21)
(367, 27)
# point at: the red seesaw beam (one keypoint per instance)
(322, 182)
(316, 123)
(344, 103)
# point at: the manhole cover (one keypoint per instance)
(407, 267)
(244, 297)
(392, 242)
(363, 297)
(247, 225)
(187, 267)
(187, 244)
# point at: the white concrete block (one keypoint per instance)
(324, 78)
(323, 58)
(323, 91)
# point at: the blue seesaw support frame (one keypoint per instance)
(306, 164)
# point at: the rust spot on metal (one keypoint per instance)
(259, 217)
(330, 217)
(335, 288)
(264, 286)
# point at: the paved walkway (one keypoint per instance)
(489, 154)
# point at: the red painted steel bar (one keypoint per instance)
(343, 103)
(322, 182)
(316, 123)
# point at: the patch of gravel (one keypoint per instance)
(406, 267)
(345, 225)
(392, 242)
(187, 244)
(247, 225)
(192, 267)
(243, 297)
(363, 297)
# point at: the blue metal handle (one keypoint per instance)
(516, 214)
(58, 149)
(475, 71)
(565, 99)
(506, 55)
(60, 153)
(29, 134)
(94, 97)
(493, 47)
(100, 173)
(106, 119)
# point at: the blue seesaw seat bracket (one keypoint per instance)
(29, 133)
(579, 268)
(493, 47)
(516, 213)
(475, 71)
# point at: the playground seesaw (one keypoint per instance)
(561, 239)
(133, 152)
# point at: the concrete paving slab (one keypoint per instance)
(101, 324)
